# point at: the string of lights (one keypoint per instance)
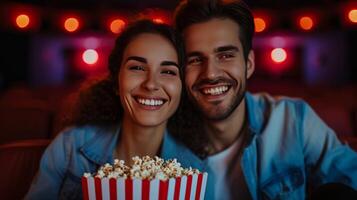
(30, 18)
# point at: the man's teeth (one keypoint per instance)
(216, 90)
(150, 102)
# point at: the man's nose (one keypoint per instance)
(211, 69)
(151, 82)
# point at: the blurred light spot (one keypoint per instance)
(22, 21)
(91, 43)
(260, 24)
(71, 24)
(158, 20)
(90, 56)
(278, 55)
(306, 23)
(352, 15)
(278, 41)
(117, 25)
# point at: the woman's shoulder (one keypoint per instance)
(79, 135)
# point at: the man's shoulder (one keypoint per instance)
(264, 109)
(267, 101)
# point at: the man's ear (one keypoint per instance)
(250, 64)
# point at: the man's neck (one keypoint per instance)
(223, 133)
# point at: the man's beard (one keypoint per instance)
(219, 115)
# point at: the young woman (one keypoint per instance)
(122, 116)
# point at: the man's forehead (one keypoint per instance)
(211, 34)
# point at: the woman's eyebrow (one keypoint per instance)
(136, 58)
(169, 63)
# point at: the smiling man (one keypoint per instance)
(257, 146)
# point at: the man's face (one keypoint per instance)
(216, 71)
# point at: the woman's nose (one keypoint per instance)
(151, 82)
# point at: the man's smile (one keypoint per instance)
(218, 90)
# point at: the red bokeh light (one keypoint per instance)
(117, 25)
(352, 15)
(24, 18)
(306, 22)
(158, 20)
(22, 21)
(260, 24)
(71, 24)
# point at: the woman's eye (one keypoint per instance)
(169, 72)
(137, 67)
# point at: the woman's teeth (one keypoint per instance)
(150, 102)
(216, 90)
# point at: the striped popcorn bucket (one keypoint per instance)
(181, 188)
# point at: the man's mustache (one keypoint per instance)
(218, 80)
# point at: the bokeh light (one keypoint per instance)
(71, 24)
(352, 15)
(278, 55)
(260, 24)
(306, 23)
(90, 56)
(22, 20)
(117, 25)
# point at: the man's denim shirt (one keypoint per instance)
(289, 145)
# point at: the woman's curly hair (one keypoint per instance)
(97, 102)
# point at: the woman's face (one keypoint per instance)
(149, 80)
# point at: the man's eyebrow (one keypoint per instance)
(169, 63)
(136, 58)
(226, 48)
(194, 53)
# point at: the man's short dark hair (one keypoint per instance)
(190, 12)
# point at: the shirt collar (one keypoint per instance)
(171, 149)
(100, 147)
(255, 113)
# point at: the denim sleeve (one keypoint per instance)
(53, 164)
(327, 159)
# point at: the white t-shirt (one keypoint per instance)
(229, 180)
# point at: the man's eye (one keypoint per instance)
(225, 56)
(169, 72)
(194, 61)
(137, 67)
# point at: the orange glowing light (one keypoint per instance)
(158, 20)
(352, 15)
(90, 56)
(306, 23)
(260, 24)
(117, 25)
(22, 21)
(278, 55)
(71, 24)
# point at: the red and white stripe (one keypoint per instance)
(191, 187)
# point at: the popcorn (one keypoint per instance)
(144, 168)
(147, 178)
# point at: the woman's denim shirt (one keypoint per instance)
(85, 149)
(289, 146)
